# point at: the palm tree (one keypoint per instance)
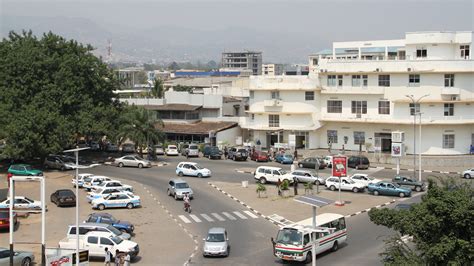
(139, 126)
(158, 90)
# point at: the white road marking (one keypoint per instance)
(251, 214)
(218, 216)
(228, 215)
(195, 218)
(186, 220)
(241, 216)
(209, 219)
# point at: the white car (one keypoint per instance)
(468, 173)
(328, 161)
(21, 203)
(100, 193)
(364, 179)
(112, 184)
(172, 150)
(192, 169)
(265, 174)
(117, 200)
(307, 176)
(81, 178)
(332, 183)
(94, 180)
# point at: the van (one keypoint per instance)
(358, 162)
(265, 174)
(85, 228)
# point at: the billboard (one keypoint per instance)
(339, 166)
(397, 149)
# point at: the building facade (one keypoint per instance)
(272, 69)
(245, 60)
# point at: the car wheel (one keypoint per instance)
(101, 207)
(401, 194)
(467, 176)
(168, 192)
(355, 190)
(180, 173)
(417, 188)
(262, 180)
(120, 165)
(175, 196)
(26, 261)
(335, 247)
(376, 193)
(332, 188)
(300, 165)
(309, 257)
(129, 206)
(140, 165)
(199, 175)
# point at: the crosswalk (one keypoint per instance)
(218, 217)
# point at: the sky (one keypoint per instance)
(310, 24)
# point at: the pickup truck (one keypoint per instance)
(96, 242)
(407, 181)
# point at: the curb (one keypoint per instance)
(153, 164)
(243, 171)
(368, 209)
(410, 170)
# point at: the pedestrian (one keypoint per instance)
(295, 154)
(117, 258)
(295, 185)
(108, 257)
(279, 187)
(127, 259)
(225, 152)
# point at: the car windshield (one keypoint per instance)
(193, 147)
(172, 147)
(198, 166)
(288, 156)
(116, 240)
(65, 193)
(282, 172)
(28, 199)
(241, 150)
(370, 178)
(87, 179)
(138, 158)
(289, 237)
(28, 168)
(114, 230)
(182, 185)
(215, 237)
(99, 190)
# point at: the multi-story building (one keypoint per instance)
(272, 69)
(246, 60)
(130, 77)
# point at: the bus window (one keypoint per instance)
(342, 224)
(306, 239)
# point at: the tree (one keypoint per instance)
(441, 227)
(173, 66)
(158, 90)
(139, 126)
(182, 88)
(52, 91)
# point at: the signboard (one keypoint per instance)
(281, 145)
(292, 140)
(238, 141)
(60, 260)
(339, 166)
(397, 149)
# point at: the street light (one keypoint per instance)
(415, 113)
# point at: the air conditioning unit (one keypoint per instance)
(409, 69)
(378, 69)
(398, 136)
(454, 98)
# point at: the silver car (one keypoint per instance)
(192, 151)
(216, 243)
(178, 188)
(132, 160)
(20, 258)
(305, 176)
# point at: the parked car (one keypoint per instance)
(5, 219)
(284, 158)
(333, 183)
(191, 151)
(63, 197)
(182, 149)
(132, 160)
(112, 147)
(259, 156)
(237, 154)
(409, 182)
(112, 184)
(81, 178)
(328, 161)
(128, 147)
(85, 228)
(91, 181)
(312, 162)
(94, 146)
(107, 218)
(100, 193)
(20, 258)
(264, 174)
(358, 162)
(216, 243)
(21, 203)
(171, 150)
(308, 176)
(212, 152)
(177, 188)
(117, 200)
(24, 169)
(192, 169)
(159, 150)
(55, 162)
(468, 173)
(389, 188)
(364, 179)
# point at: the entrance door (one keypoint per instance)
(300, 141)
(386, 141)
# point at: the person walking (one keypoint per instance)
(117, 258)
(295, 185)
(108, 257)
(225, 152)
(295, 154)
(279, 187)
(127, 259)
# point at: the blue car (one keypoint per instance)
(389, 189)
(284, 158)
(117, 200)
(107, 218)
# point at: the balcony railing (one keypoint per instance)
(396, 119)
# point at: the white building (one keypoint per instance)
(272, 69)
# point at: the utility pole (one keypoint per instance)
(415, 113)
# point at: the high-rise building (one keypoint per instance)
(247, 60)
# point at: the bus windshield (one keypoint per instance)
(289, 237)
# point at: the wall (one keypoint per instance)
(229, 135)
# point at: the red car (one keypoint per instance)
(5, 219)
(259, 156)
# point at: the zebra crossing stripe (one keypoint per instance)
(249, 213)
(241, 216)
(184, 219)
(228, 215)
(218, 217)
(209, 219)
(195, 218)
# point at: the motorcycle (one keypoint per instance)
(187, 207)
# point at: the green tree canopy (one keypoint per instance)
(441, 227)
(52, 90)
(158, 90)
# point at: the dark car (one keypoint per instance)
(212, 152)
(107, 218)
(63, 197)
(358, 162)
(237, 154)
(56, 162)
(312, 162)
(5, 219)
(259, 156)
(409, 182)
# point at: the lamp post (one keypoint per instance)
(415, 112)
(419, 153)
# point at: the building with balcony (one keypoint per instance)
(243, 60)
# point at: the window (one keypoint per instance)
(306, 239)
(421, 52)
(448, 109)
(309, 95)
(365, 80)
(332, 136)
(252, 94)
(355, 80)
(359, 137)
(448, 141)
(275, 95)
(464, 51)
(384, 107)
(315, 61)
(414, 80)
(414, 109)
(384, 80)
(334, 107)
(252, 116)
(449, 80)
(106, 241)
(331, 80)
(273, 120)
(339, 80)
(359, 107)
(92, 240)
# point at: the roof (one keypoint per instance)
(321, 219)
(216, 230)
(202, 128)
(173, 107)
(200, 81)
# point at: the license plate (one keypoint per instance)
(287, 257)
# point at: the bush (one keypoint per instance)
(285, 185)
